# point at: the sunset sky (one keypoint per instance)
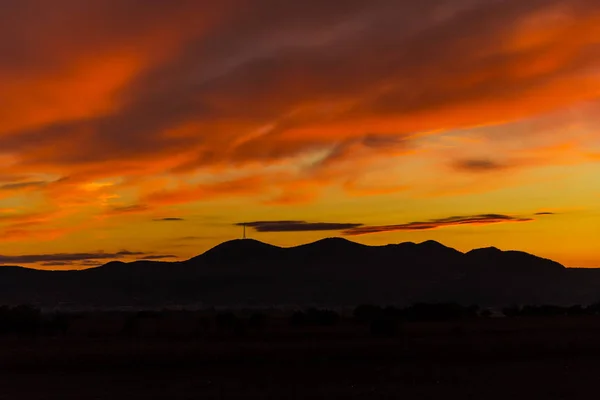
(137, 129)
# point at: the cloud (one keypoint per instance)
(369, 189)
(129, 253)
(199, 238)
(31, 225)
(56, 264)
(292, 197)
(65, 257)
(545, 213)
(157, 257)
(89, 263)
(478, 165)
(301, 98)
(195, 88)
(22, 185)
(131, 209)
(168, 219)
(297, 226)
(245, 186)
(481, 219)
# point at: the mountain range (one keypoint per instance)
(329, 272)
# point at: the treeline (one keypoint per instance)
(385, 321)
(25, 320)
(551, 310)
(419, 312)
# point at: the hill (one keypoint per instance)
(331, 271)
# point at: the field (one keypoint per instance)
(480, 358)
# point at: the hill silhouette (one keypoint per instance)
(331, 272)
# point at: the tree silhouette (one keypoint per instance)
(576, 310)
(366, 313)
(511, 311)
(298, 318)
(257, 321)
(435, 312)
(321, 317)
(228, 322)
(383, 326)
(58, 323)
(23, 320)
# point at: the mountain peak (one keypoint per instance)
(437, 247)
(486, 250)
(331, 243)
(240, 245)
(433, 244)
(336, 240)
(233, 250)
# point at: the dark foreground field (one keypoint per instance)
(504, 358)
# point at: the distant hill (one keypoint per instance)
(329, 272)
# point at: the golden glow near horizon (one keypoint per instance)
(148, 130)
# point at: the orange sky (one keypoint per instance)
(150, 129)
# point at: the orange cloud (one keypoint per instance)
(432, 79)
(207, 192)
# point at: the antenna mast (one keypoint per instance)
(244, 234)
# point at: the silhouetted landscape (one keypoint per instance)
(331, 272)
(135, 134)
(329, 319)
(420, 351)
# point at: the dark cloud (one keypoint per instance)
(157, 257)
(89, 263)
(363, 146)
(297, 226)
(377, 141)
(199, 238)
(188, 238)
(478, 165)
(545, 213)
(65, 257)
(168, 219)
(22, 185)
(56, 264)
(480, 219)
(130, 253)
(135, 208)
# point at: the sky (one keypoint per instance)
(150, 129)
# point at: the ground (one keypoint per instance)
(551, 358)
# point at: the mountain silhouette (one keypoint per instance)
(238, 252)
(332, 272)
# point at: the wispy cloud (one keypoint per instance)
(297, 226)
(66, 257)
(266, 94)
(481, 219)
(131, 209)
(157, 257)
(22, 185)
(56, 264)
(478, 165)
